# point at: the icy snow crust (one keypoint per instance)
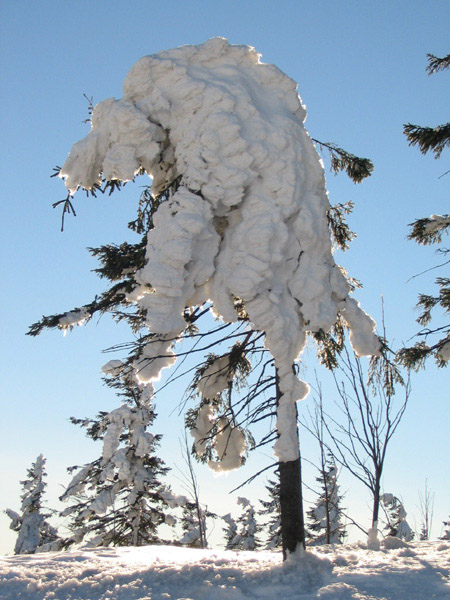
(418, 571)
(248, 220)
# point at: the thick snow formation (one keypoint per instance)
(248, 219)
(437, 223)
(229, 443)
(215, 378)
(230, 446)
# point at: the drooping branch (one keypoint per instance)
(356, 168)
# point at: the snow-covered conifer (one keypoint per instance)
(446, 530)
(271, 513)
(397, 525)
(325, 517)
(193, 531)
(119, 499)
(35, 534)
(230, 531)
(242, 533)
(238, 222)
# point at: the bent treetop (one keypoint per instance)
(248, 220)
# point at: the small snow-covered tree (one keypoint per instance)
(397, 525)
(446, 530)
(119, 499)
(271, 513)
(193, 525)
(325, 517)
(230, 531)
(35, 534)
(242, 533)
(237, 222)
(427, 231)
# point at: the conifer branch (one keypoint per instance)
(433, 139)
(436, 64)
(356, 168)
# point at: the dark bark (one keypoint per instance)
(376, 497)
(291, 507)
(291, 502)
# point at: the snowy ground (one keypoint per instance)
(415, 571)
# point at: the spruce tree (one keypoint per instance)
(430, 231)
(35, 534)
(271, 513)
(446, 530)
(397, 525)
(163, 284)
(325, 517)
(242, 533)
(230, 531)
(193, 525)
(119, 499)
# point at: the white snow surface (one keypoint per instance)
(248, 220)
(417, 571)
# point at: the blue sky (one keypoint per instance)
(360, 68)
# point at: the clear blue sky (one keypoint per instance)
(360, 68)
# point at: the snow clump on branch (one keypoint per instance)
(248, 219)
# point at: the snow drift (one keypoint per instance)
(417, 571)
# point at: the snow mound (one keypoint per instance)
(248, 219)
(393, 543)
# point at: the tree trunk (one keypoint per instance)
(291, 507)
(376, 498)
(291, 502)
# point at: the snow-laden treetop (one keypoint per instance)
(248, 220)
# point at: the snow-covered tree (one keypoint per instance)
(230, 531)
(237, 222)
(271, 513)
(446, 530)
(242, 533)
(193, 525)
(397, 525)
(325, 517)
(119, 498)
(427, 231)
(35, 533)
